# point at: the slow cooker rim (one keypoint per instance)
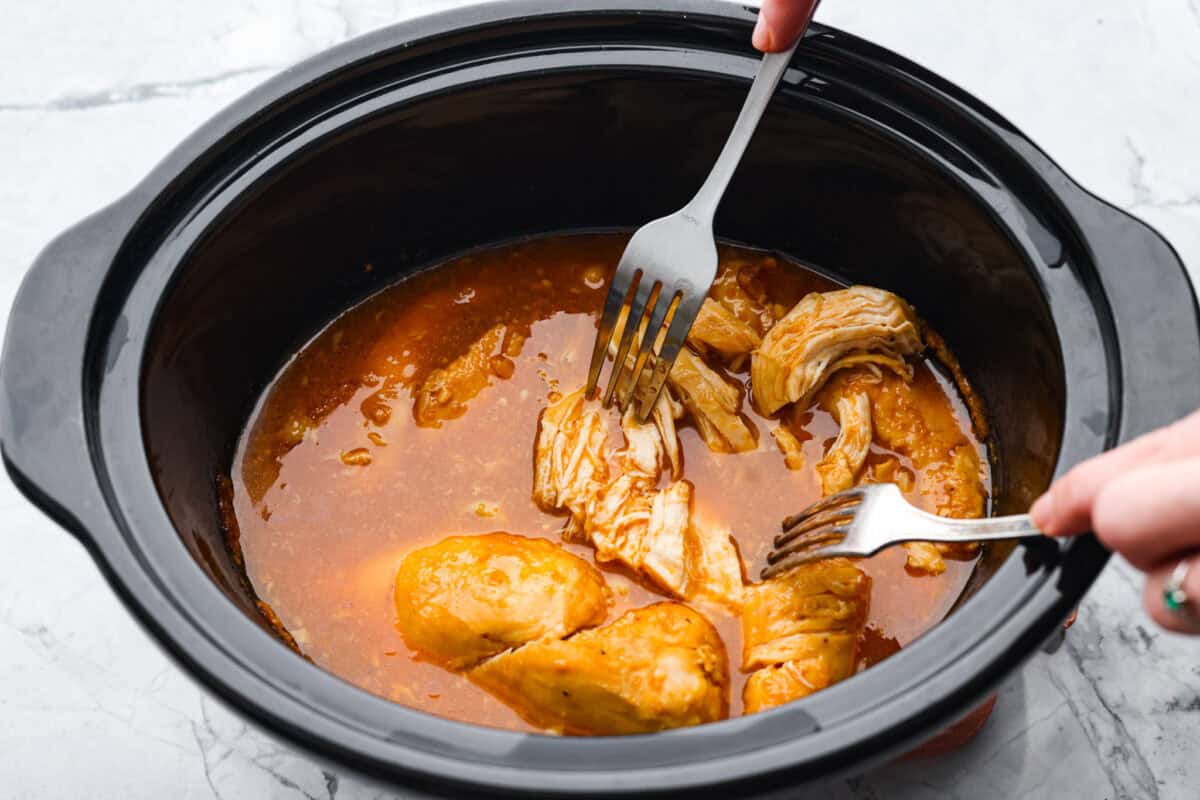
(147, 194)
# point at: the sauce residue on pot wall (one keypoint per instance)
(334, 482)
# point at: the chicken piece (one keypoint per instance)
(916, 421)
(667, 410)
(890, 470)
(616, 518)
(801, 630)
(652, 532)
(830, 596)
(467, 598)
(782, 683)
(713, 566)
(839, 468)
(790, 446)
(924, 557)
(662, 556)
(718, 330)
(654, 668)
(644, 529)
(827, 331)
(741, 287)
(652, 446)
(569, 465)
(714, 404)
(445, 392)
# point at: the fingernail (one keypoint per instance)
(762, 34)
(1041, 511)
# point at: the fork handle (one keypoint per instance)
(941, 529)
(703, 206)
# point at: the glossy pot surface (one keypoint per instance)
(142, 337)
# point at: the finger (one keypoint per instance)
(1151, 513)
(780, 23)
(1185, 620)
(1066, 509)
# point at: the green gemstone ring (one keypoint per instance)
(1175, 598)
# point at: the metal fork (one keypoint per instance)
(862, 521)
(668, 267)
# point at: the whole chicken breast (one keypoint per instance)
(470, 597)
(658, 667)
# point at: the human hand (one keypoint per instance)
(780, 23)
(1143, 501)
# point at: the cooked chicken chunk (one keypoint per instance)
(713, 566)
(469, 597)
(917, 421)
(628, 519)
(821, 597)
(658, 667)
(838, 469)
(741, 287)
(800, 631)
(924, 557)
(782, 683)
(790, 446)
(718, 330)
(569, 462)
(662, 556)
(652, 446)
(616, 518)
(445, 392)
(825, 332)
(714, 404)
(652, 532)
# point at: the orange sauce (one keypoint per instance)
(333, 481)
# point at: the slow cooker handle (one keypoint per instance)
(1158, 331)
(43, 436)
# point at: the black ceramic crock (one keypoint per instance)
(141, 338)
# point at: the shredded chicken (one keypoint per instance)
(654, 668)
(652, 532)
(838, 469)
(718, 330)
(616, 518)
(790, 446)
(467, 598)
(714, 403)
(627, 518)
(569, 460)
(949, 471)
(741, 288)
(445, 392)
(827, 331)
(662, 556)
(800, 631)
(652, 446)
(713, 566)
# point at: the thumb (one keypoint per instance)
(780, 23)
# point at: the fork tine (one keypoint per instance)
(805, 557)
(613, 304)
(850, 498)
(824, 535)
(634, 330)
(652, 343)
(681, 323)
(624, 280)
(840, 514)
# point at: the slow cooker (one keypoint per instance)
(141, 338)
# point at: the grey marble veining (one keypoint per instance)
(93, 93)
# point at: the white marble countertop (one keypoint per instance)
(93, 94)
